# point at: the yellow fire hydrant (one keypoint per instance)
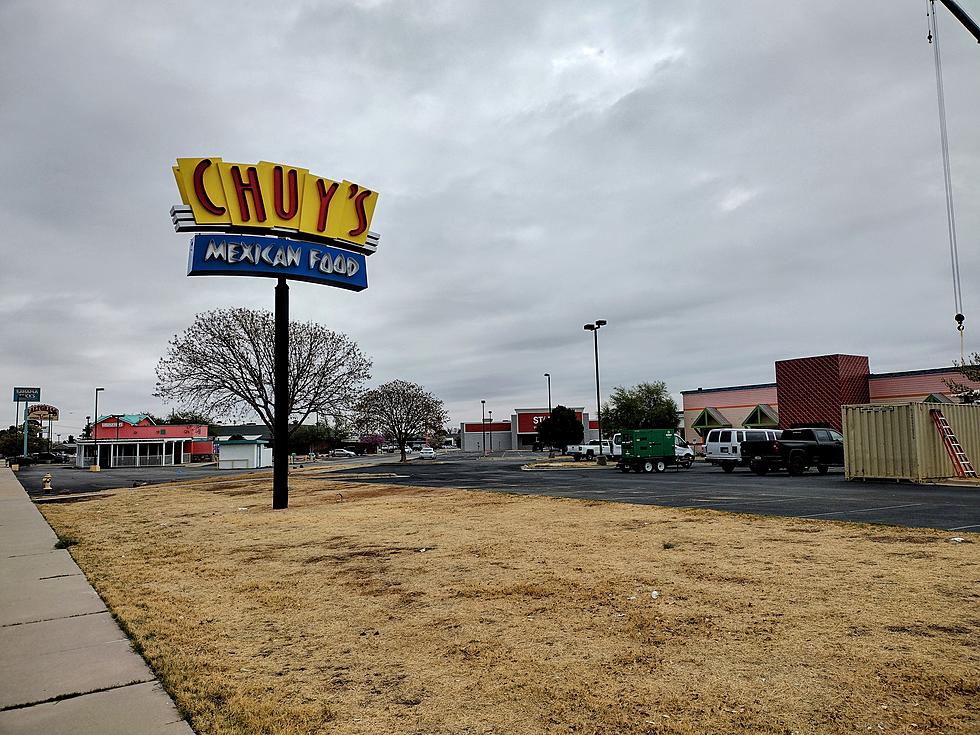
(46, 482)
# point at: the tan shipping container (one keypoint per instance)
(902, 442)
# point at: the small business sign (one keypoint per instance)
(251, 255)
(27, 394)
(43, 412)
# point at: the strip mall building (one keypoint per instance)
(809, 390)
(806, 390)
(521, 432)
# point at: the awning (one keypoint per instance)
(709, 418)
(762, 416)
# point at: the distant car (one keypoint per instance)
(49, 457)
(22, 460)
(427, 453)
(342, 453)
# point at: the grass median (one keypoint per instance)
(368, 608)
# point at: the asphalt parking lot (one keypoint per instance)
(815, 496)
(68, 480)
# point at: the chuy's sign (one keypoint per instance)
(282, 220)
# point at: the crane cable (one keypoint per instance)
(933, 38)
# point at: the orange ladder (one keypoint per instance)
(960, 461)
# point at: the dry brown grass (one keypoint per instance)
(529, 614)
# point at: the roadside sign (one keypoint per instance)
(27, 394)
(43, 412)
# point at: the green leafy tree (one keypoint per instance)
(12, 440)
(644, 406)
(561, 428)
(316, 438)
(437, 437)
(970, 370)
(187, 417)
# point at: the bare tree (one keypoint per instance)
(224, 364)
(970, 370)
(399, 411)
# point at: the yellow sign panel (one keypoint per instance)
(274, 195)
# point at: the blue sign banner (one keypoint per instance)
(274, 257)
(27, 394)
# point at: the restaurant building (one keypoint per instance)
(135, 440)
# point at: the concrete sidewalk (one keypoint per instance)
(65, 666)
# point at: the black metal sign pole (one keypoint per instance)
(280, 446)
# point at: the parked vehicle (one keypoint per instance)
(342, 453)
(587, 451)
(49, 457)
(796, 450)
(427, 453)
(653, 450)
(683, 452)
(614, 446)
(723, 446)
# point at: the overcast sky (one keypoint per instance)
(727, 183)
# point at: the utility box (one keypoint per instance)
(902, 442)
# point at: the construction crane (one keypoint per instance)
(933, 37)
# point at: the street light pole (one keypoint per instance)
(483, 426)
(594, 328)
(95, 439)
(548, 376)
(490, 431)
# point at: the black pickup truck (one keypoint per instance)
(796, 450)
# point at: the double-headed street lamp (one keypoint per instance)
(548, 376)
(594, 328)
(96, 418)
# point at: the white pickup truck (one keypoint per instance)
(585, 451)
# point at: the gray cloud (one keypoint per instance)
(727, 184)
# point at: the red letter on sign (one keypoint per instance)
(253, 187)
(359, 207)
(199, 190)
(277, 193)
(326, 194)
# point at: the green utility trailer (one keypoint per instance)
(649, 450)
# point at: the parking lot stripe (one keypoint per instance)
(862, 510)
(963, 528)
